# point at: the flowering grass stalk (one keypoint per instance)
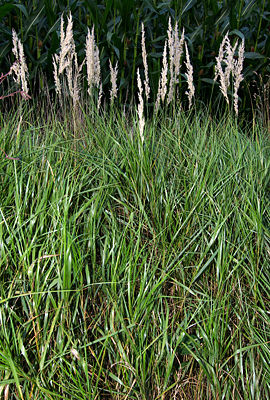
(162, 85)
(144, 56)
(67, 71)
(233, 68)
(175, 52)
(114, 72)
(19, 68)
(140, 106)
(189, 75)
(67, 62)
(92, 62)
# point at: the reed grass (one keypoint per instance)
(68, 72)
(129, 274)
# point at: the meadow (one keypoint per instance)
(133, 271)
(134, 241)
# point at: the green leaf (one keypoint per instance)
(34, 20)
(6, 9)
(252, 55)
(22, 8)
(238, 33)
(188, 5)
(211, 81)
(248, 8)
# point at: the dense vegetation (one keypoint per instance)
(134, 231)
(118, 32)
(133, 271)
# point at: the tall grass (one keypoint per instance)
(117, 29)
(129, 274)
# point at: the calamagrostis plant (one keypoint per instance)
(175, 46)
(189, 75)
(93, 64)
(114, 72)
(233, 67)
(144, 56)
(238, 76)
(162, 85)
(178, 51)
(171, 57)
(140, 106)
(67, 62)
(175, 53)
(19, 67)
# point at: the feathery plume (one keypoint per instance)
(162, 84)
(92, 62)
(56, 74)
(238, 77)
(219, 71)
(233, 67)
(19, 67)
(179, 47)
(67, 45)
(189, 75)
(140, 106)
(171, 43)
(175, 53)
(144, 55)
(114, 72)
(99, 96)
(157, 103)
(67, 62)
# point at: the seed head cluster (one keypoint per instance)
(19, 68)
(229, 66)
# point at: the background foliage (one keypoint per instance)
(117, 28)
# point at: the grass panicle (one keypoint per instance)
(233, 68)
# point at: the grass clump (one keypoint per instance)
(130, 269)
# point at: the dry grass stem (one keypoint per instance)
(114, 72)
(175, 53)
(99, 96)
(67, 62)
(92, 62)
(219, 71)
(189, 75)
(67, 45)
(144, 56)
(140, 106)
(233, 67)
(56, 75)
(178, 50)
(19, 67)
(164, 73)
(162, 84)
(238, 76)
(171, 38)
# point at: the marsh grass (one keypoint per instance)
(129, 274)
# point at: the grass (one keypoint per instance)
(133, 271)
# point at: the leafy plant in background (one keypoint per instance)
(118, 34)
